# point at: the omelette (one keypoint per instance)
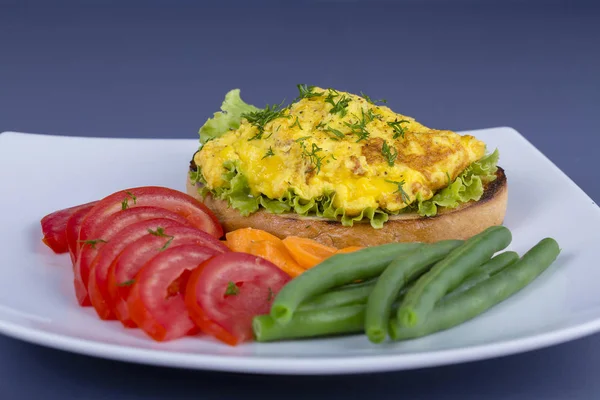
(333, 154)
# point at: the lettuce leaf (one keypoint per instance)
(466, 187)
(228, 118)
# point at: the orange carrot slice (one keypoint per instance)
(277, 253)
(349, 249)
(307, 252)
(241, 239)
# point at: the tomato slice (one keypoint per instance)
(227, 291)
(54, 228)
(124, 268)
(97, 281)
(181, 203)
(105, 231)
(156, 302)
(72, 230)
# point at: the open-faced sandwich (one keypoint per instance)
(344, 170)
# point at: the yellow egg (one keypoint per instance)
(366, 154)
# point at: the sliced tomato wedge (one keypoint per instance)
(227, 291)
(181, 203)
(105, 231)
(72, 229)
(54, 228)
(136, 254)
(97, 283)
(156, 302)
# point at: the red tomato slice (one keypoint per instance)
(156, 302)
(54, 228)
(181, 203)
(105, 231)
(97, 283)
(72, 230)
(227, 291)
(124, 268)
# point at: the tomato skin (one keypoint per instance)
(98, 276)
(181, 203)
(54, 228)
(135, 254)
(72, 230)
(165, 317)
(229, 317)
(105, 231)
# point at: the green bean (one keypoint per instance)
(492, 267)
(351, 318)
(320, 322)
(484, 295)
(394, 278)
(347, 295)
(335, 271)
(449, 273)
(340, 297)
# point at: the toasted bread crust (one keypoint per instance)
(460, 223)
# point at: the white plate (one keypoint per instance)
(40, 174)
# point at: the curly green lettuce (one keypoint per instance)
(228, 118)
(466, 187)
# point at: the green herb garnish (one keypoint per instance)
(314, 159)
(269, 153)
(160, 232)
(262, 117)
(337, 133)
(339, 106)
(125, 203)
(297, 123)
(126, 283)
(400, 190)
(302, 139)
(359, 128)
(369, 100)
(398, 128)
(232, 289)
(306, 92)
(271, 294)
(390, 153)
(92, 242)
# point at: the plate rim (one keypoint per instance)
(327, 365)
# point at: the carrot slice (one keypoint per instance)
(276, 252)
(241, 239)
(307, 252)
(349, 249)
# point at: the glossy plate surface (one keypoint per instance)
(40, 174)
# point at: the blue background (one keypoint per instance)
(159, 69)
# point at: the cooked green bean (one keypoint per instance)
(351, 318)
(338, 270)
(340, 297)
(394, 278)
(483, 296)
(320, 322)
(449, 273)
(348, 295)
(492, 267)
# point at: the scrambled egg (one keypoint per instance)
(334, 141)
